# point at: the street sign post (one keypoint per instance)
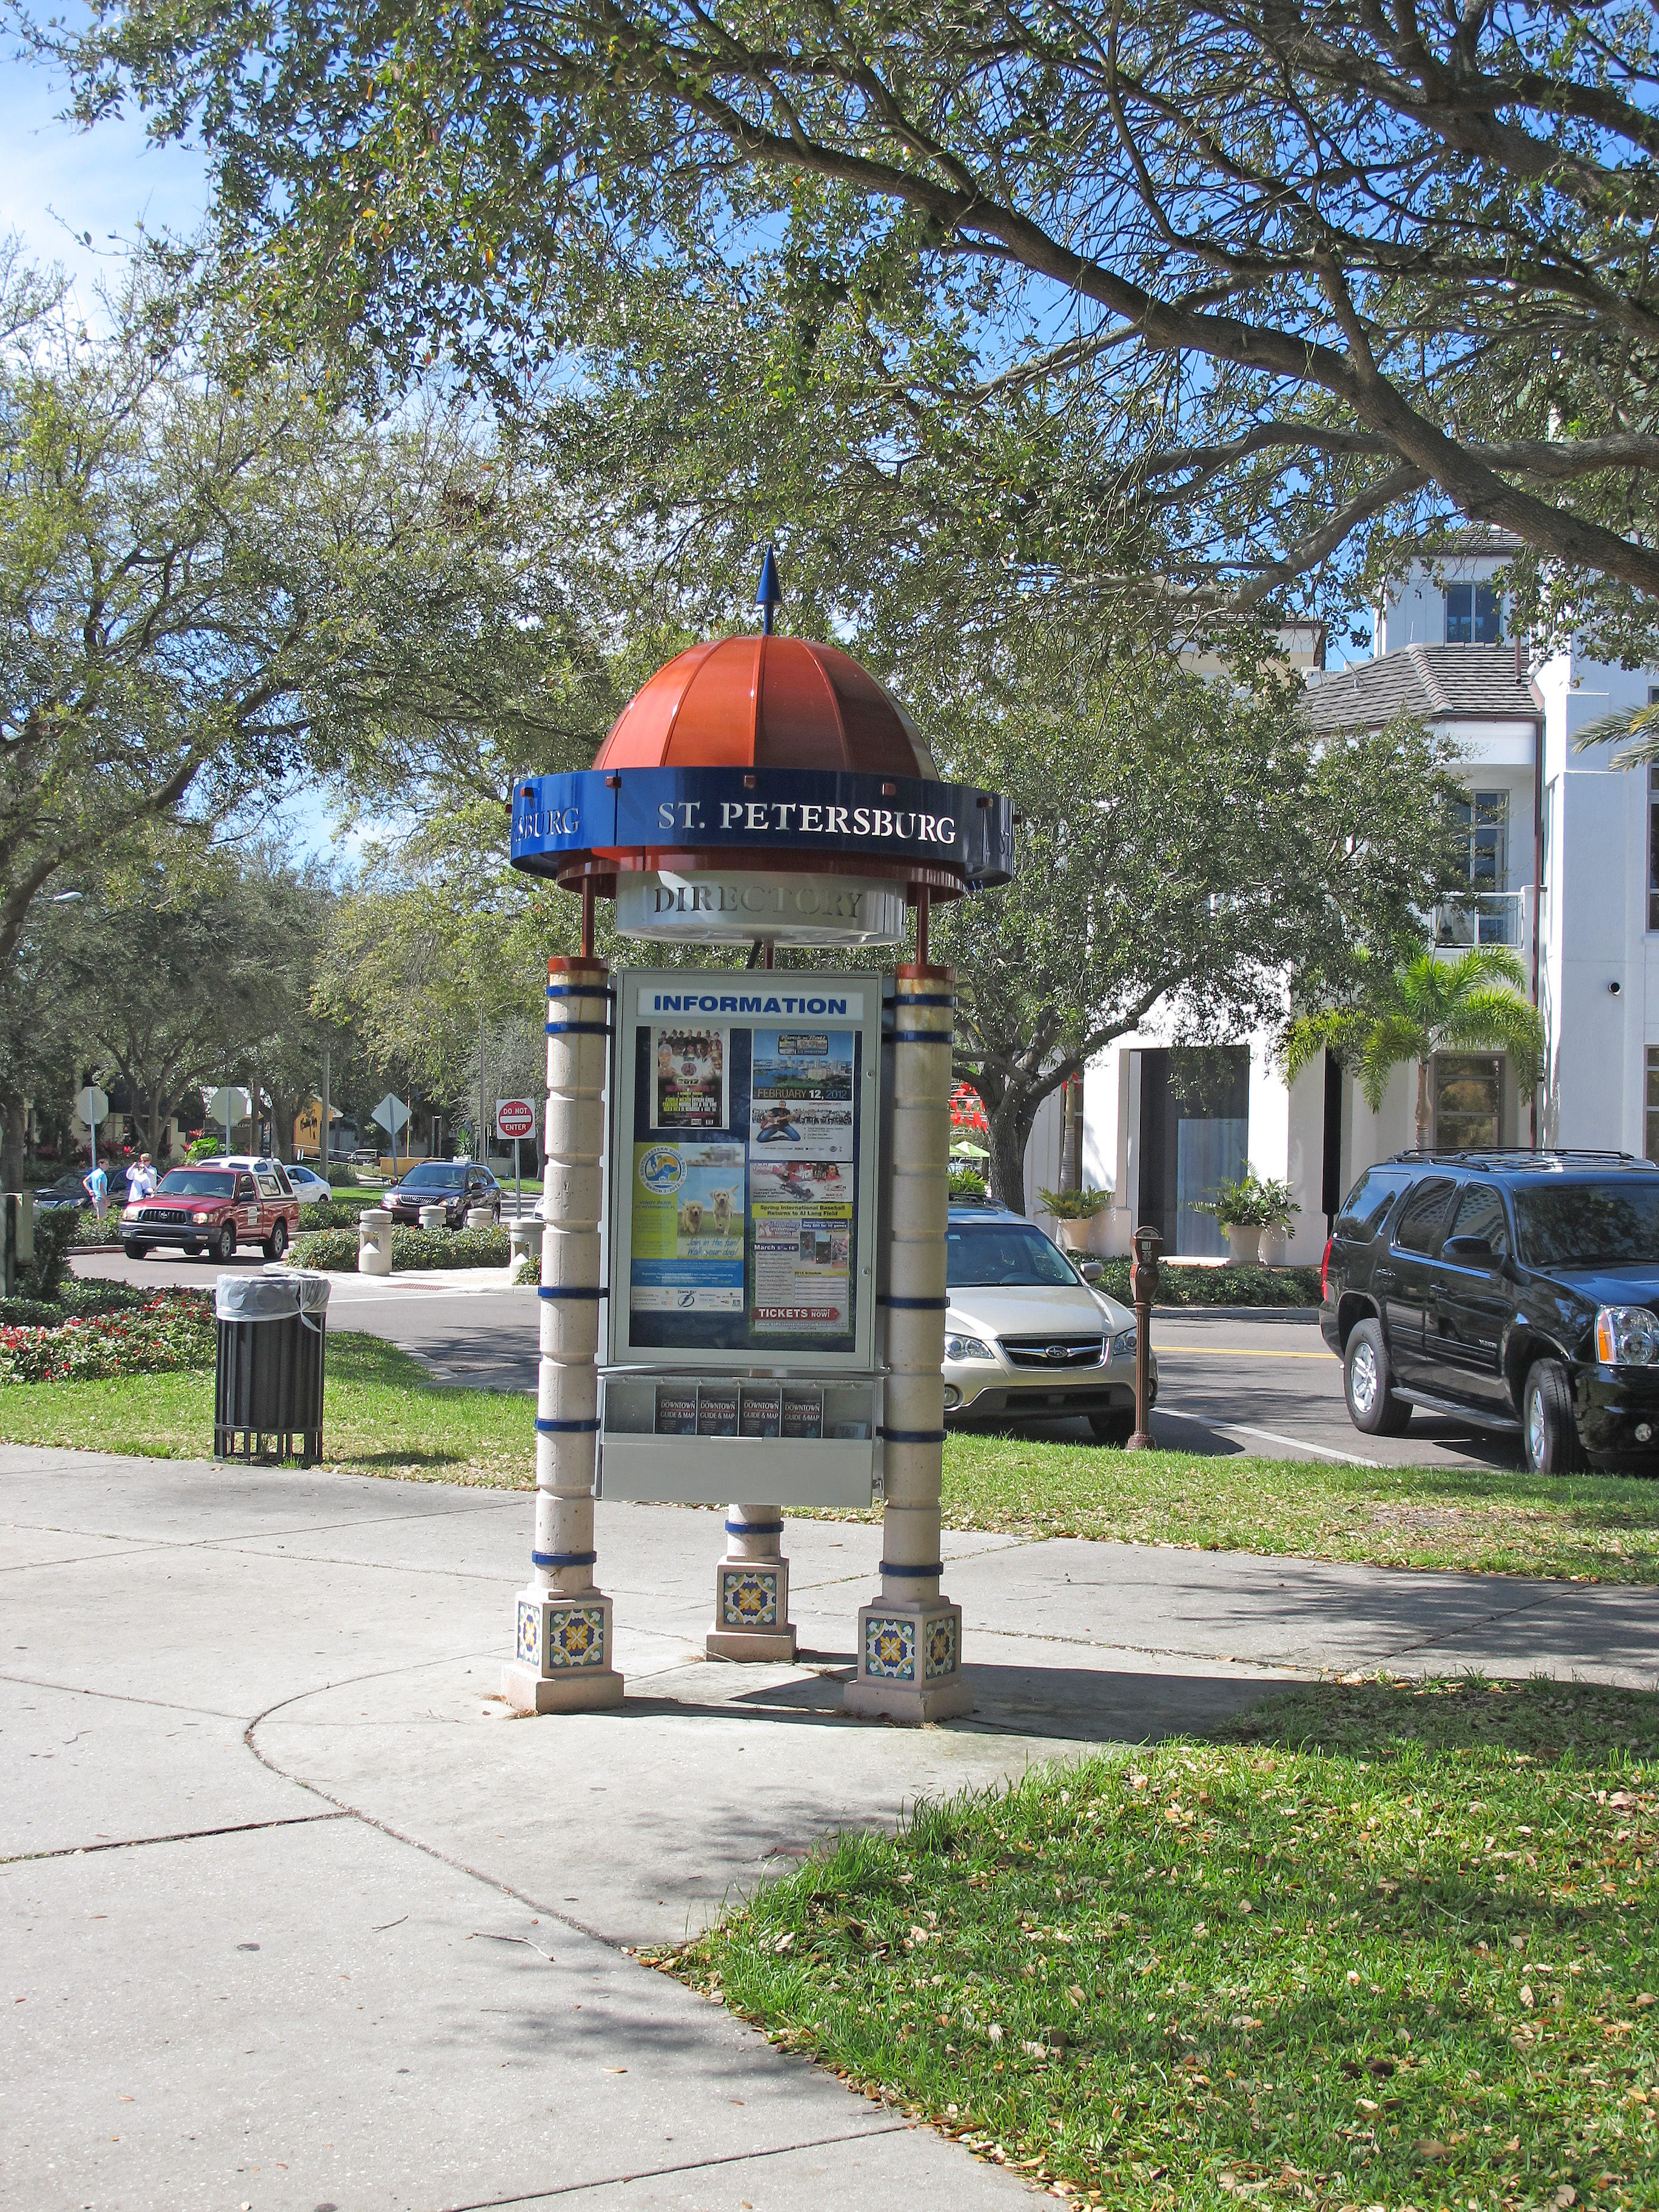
(229, 1104)
(92, 1105)
(514, 1120)
(392, 1116)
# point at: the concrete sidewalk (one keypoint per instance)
(299, 1917)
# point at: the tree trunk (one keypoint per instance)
(11, 1145)
(1423, 1106)
(1009, 1133)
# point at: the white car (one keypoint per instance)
(1026, 1336)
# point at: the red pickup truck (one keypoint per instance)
(213, 1209)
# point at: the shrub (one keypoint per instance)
(528, 1271)
(74, 1301)
(172, 1329)
(967, 1187)
(55, 1231)
(334, 1251)
(1076, 1204)
(1218, 1286)
(323, 1213)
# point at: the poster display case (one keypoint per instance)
(741, 1306)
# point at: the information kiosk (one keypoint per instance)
(767, 1148)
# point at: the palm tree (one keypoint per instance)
(1474, 1004)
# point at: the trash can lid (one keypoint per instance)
(269, 1298)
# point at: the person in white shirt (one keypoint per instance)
(141, 1182)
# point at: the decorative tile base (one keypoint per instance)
(910, 1662)
(751, 1612)
(562, 1647)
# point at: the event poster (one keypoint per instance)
(689, 1078)
(745, 1187)
(688, 1249)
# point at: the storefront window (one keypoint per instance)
(1468, 1098)
(1653, 849)
(1653, 1102)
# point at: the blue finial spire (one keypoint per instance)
(769, 592)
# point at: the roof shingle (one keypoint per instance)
(1433, 682)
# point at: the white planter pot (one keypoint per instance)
(1274, 1248)
(1099, 1227)
(1243, 1244)
(1072, 1235)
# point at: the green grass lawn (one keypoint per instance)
(1389, 1946)
(382, 1414)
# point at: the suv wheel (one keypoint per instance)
(1547, 1428)
(1369, 1386)
(1114, 1428)
(132, 1248)
(278, 1243)
(223, 1246)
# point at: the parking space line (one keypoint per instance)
(1267, 1435)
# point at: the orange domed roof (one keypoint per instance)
(761, 701)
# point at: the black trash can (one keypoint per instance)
(268, 1387)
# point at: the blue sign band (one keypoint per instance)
(754, 1527)
(545, 1428)
(558, 1291)
(745, 815)
(914, 1435)
(891, 1573)
(563, 1558)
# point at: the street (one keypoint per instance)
(1232, 1380)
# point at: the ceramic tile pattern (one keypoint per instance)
(576, 1637)
(530, 1634)
(890, 1647)
(748, 1598)
(939, 1633)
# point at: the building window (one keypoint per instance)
(1484, 817)
(1474, 614)
(1653, 1102)
(1469, 1099)
(1653, 849)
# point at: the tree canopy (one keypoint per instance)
(1223, 294)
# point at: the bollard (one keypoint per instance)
(565, 1658)
(908, 1665)
(374, 1241)
(480, 1216)
(526, 1238)
(1143, 1288)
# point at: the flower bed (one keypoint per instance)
(334, 1251)
(171, 1329)
(73, 1301)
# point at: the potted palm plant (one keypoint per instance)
(1073, 1211)
(1238, 1209)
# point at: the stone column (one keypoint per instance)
(565, 1660)
(909, 1639)
(751, 1590)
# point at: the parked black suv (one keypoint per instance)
(1519, 1291)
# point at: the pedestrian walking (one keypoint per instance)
(96, 1184)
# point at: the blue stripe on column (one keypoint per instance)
(923, 998)
(580, 990)
(914, 1305)
(563, 1558)
(914, 1435)
(578, 1029)
(912, 1574)
(558, 1291)
(917, 1036)
(754, 1527)
(545, 1428)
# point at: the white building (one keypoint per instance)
(1563, 867)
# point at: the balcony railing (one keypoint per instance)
(1482, 918)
